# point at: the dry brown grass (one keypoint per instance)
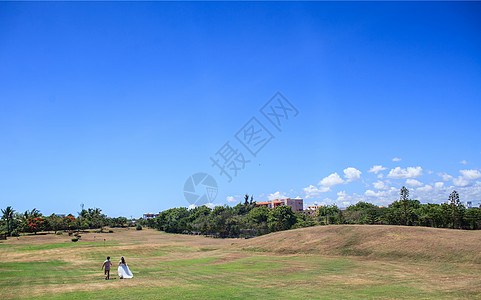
(373, 242)
(437, 261)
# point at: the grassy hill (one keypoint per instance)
(373, 241)
(327, 262)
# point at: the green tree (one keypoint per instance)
(70, 222)
(403, 212)
(257, 220)
(304, 220)
(8, 214)
(117, 222)
(431, 215)
(472, 217)
(174, 220)
(258, 214)
(55, 223)
(246, 199)
(219, 219)
(361, 213)
(404, 205)
(199, 219)
(328, 214)
(372, 215)
(26, 217)
(456, 210)
(36, 224)
(242, 209)
(340, 217)
(281, 218)
(92, 218)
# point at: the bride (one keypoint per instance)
(124, 271)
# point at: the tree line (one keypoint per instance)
(13, 223)
(247, 220)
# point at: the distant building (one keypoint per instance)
(149, 216)
(469, 204)
(295, 204)
(312, 210)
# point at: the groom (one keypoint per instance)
(107, 265)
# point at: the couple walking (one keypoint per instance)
(124, 271)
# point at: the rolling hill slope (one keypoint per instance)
(373, 241)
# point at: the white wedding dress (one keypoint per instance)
(124, 271)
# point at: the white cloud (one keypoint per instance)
(413, 183)
(324, 189)
(210, 205)
(396, 159)
(463, 162)
(352, 174)
(376, 169)
(467, 178)
(314, 191)
(343, 196)
(445, 177)
(472, 192)
(461, 181)
(382, 190)
(371, 193)
(331, 180)
(192, 206)
(380, 185)
(231, 199)
(379, 197)
(471, 174)
(426, 188)
(327, 201)
(276, 195)
(440, 192)
(410, 172)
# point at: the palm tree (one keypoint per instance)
(34, 213)
(8, 217)
(31, 214)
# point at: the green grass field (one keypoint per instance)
(170, 266)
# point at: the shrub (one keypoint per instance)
(15, 232)
(111, 231)
(139, 227)
(74, 239)
(70, 233)
(59, 233)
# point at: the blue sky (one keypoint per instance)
(115, 105)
